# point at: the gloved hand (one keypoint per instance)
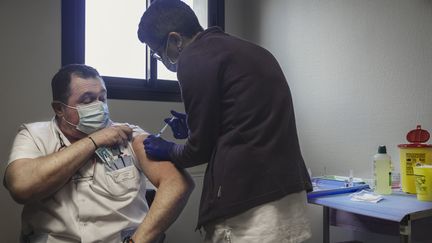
(178, 126)
(157, 148)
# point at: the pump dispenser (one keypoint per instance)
(382, 171)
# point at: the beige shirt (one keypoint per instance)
(96, 205)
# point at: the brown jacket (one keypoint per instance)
(241, 121)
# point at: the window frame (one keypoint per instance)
(150, 88)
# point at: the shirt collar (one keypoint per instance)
(213, 29)
(58, 133)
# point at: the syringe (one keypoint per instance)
(164, 127)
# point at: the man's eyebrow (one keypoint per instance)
(85, 96)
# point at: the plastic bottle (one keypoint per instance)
(382, 171)
(351, 178)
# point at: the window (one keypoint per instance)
(102, 34)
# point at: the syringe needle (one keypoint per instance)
(164, 127)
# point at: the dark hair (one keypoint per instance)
(60, 83)
(165, 16)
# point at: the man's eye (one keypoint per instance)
(88, 101)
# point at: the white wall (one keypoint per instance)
(360, 73)
(30, 54)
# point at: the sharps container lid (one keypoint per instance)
(417, 138)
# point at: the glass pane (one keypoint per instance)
(200, 9)
(111, 42)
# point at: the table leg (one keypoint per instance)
(405, 230)
(326, 224)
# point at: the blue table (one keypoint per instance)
(397, 214)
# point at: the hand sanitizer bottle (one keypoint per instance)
(382, 171)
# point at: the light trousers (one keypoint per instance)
(283, 220)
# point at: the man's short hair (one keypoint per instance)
(165, 16)
(60, 83)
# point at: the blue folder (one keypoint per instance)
(325, 187)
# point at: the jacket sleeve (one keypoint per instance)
(199, 80)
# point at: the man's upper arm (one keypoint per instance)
(156, 172)
(24, 147)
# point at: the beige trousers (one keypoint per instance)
(280, 221)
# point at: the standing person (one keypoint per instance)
(241, 122)
(82, 178)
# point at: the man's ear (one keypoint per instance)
(177, 38)
(58, 109)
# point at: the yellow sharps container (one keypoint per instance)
(423, 175)
(416, 152)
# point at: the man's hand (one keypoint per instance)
(157, 148)
(178, 125)
(113, 135)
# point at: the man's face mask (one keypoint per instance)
(172, 66)
(92, 117)
(170, 63)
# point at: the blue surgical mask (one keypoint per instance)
(170, 63)
(92, 117)
(172, 66)
(167, 61)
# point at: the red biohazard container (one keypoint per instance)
(417, 152)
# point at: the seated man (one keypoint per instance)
(81, 177)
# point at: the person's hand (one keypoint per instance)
(157, 148)
(113, 135)
(178, 125)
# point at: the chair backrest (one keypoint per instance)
(150, 194)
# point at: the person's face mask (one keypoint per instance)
(92, 117)
(170, 63)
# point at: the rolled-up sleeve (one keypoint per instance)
(24, 146)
